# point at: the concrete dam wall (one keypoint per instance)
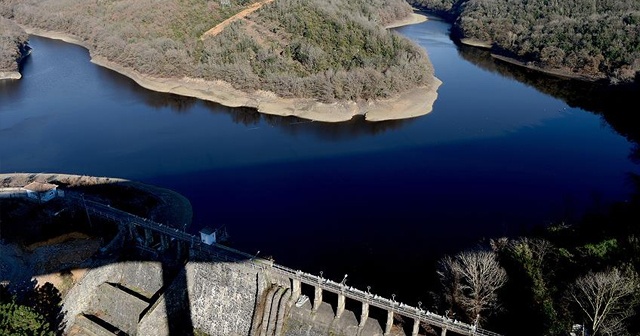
(210, 297)
(218, 291)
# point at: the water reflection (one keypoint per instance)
(246, 116)
(12, 88)
(615, 104)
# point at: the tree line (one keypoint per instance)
(325, 50)
(12, 43)
(598, 40)
(573, 276)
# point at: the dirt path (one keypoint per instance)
(242, 14)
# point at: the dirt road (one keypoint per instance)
(242, 14)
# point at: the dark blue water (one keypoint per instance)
(379, 201)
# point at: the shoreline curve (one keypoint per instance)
(549, 71)
(414, 103)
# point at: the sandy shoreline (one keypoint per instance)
(416, 102)
(554, 72)
(414, 18)
(10, 75)
(475, 43)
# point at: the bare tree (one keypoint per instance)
(450, 282)
(472, 280)
(606, 298)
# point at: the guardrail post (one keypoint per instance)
(389, 324)
(340, 307)
(444, 332)
(317, 298)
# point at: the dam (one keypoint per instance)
(178, 284)
(273, 311)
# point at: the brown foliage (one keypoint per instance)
(325, 50)
(12, 39)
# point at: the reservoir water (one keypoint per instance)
(377, 201)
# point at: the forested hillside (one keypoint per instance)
(12, 40)
(325, 50)
(579, 275)
(588, 38)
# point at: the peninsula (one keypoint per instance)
(13, 47)
(311, 59)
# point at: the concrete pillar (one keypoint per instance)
(365, 314)
(148, 237)
(387, 329)
(164, 242)
(340, 307)
(444, 332)
(416, 327)
(178, 249)
(295, 289)
(317, 298)
(131, 232)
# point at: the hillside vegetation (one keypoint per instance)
(586, 38)
(322, 49)
(12, 40)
